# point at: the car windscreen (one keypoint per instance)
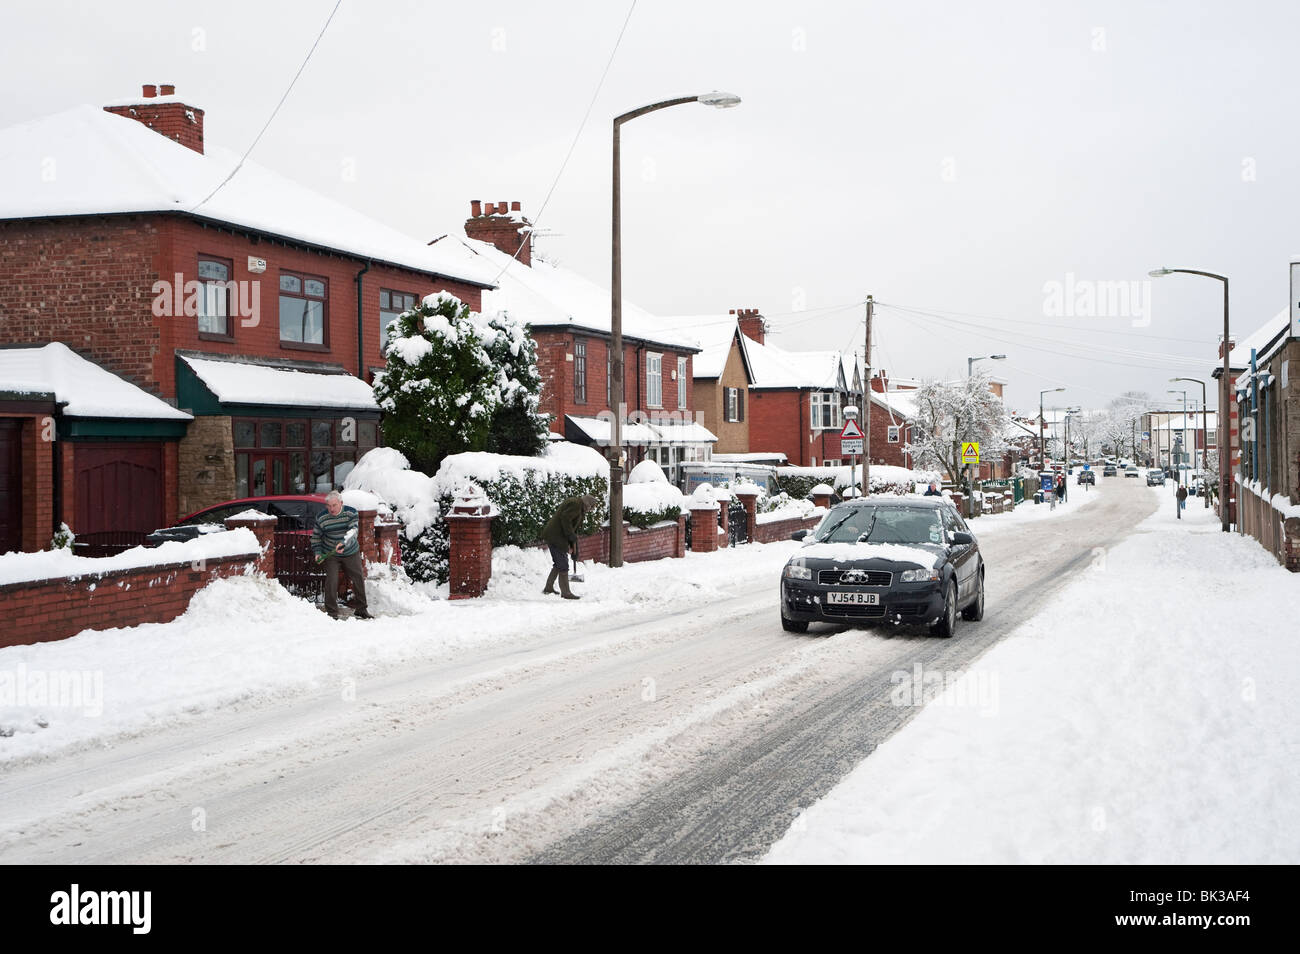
(844, 525)
(881, 525)
(905, 525)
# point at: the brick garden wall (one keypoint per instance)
(56, 609)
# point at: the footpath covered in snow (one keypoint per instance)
(1150, 715)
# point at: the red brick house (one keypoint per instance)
(248, 301)
(569, 318)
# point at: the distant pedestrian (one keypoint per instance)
(1060, 487)
(561, 535)
(932, 490)
(334, 542)
(1182, 500)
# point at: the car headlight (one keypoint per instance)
(795, 572)
(918, 576)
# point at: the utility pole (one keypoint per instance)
(866, 404)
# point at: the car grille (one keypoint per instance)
(859, 612)
(871, 578)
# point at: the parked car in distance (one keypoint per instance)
(1087, 477)
(293, 512)
(1109, 471)
(904, 561)
(1155, 477)
(1131, 470)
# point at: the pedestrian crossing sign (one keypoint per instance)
(970, 452)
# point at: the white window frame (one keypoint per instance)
(818, 402)
(654, 379)
(681, 383)
(733, 405)
(892, 433)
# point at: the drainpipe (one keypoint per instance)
(361, 337)
(58, 483)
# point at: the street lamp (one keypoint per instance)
(970, 365)
(1205, 434)
(1042, 428)
(715, 99)
(1223, 386)
(970, 362)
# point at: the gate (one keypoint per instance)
(106, 543)
(737, 524)
(296, 567)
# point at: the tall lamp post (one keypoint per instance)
(720, 101)
(1223, 386)
(1205, 434)
(1042, 427)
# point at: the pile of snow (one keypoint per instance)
(885, 478)
(653, 497)
(56, 564)
(704, 498)
(562, 458)
(647, 472)
(789, 510)
(822, 489)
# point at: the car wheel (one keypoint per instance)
(975, 612)
(948, 621)
(793, 625)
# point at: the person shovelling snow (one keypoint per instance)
(561, 535)
(334, 542)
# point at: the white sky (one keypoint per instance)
(948, 156)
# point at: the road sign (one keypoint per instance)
(852, 445)
(970, 452)
(851, 431)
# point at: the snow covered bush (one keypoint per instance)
(648, 497)
(63, 538)
(525, 490)
(452, 374)
(798, 482)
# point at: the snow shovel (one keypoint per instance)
(576, 576)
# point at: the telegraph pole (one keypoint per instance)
(866, 404)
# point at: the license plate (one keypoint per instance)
(854, 599)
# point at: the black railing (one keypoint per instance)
(296, 567)
(737, 525)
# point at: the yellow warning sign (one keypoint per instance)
(970, 452)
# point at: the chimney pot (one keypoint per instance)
(502, 207)
(166, 89)
(490, 208)
(514, 206)
(149, 90)
(475, 208)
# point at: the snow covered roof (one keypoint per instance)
(597, 429)
(1259, 339)
(901, 404)
(547, 295)
(234, 382)
(713, 335)
(774, 367)
(751, 458)
(87, 389)
(113, 164)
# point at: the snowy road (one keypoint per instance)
(688, 736)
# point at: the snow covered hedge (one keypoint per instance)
(798, 482)
(648, 498)
(525, 490)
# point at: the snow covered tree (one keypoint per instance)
(1125, 420)
(948, 414)
(450, 372)
(517, 427)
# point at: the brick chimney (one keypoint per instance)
(502, 225)
(162, 111)
(752, 325)
(880, 381)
